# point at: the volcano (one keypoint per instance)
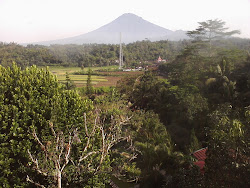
(131, 27)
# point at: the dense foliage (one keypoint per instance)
(203, 101)
(142, 132)
(26, 56)
(32, 100)
(88, 54)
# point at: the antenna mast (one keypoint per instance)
(121, 54)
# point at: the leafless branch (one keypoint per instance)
(60, 150)
(103, 144)
(87, 155)
(85, 125)
(35, 161)
(31, 181)
(52, 129)
(67, 154)
(39, 142)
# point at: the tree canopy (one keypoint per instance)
(141, 132)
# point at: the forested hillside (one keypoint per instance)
(142, 132)
(88, 54)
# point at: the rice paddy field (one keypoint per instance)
(97, 81)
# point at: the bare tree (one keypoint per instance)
(58, 149)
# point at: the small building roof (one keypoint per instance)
(200, 154)
(159, 58)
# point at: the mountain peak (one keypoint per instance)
(129, 15)
(128, 18)
(132, 27)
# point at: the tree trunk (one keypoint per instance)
(59, 179)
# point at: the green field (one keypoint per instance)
(62, 70)
(81, 80)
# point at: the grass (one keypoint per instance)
(81, 80)
(60, 69)
(108, 80)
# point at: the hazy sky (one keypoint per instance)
(39, 20)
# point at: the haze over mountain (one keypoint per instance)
(132, 28)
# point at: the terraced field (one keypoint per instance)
(81, 80)
(97, 81)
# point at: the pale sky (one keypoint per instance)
(25, 21)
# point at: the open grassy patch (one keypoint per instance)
(97, 81)
(81, 80)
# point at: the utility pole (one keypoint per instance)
(121, 54)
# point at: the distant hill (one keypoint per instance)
(132, 27)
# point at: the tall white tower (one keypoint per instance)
(121, 53)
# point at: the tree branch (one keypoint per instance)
(35, 161)
(31, 181)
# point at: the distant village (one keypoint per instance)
(140, 68)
